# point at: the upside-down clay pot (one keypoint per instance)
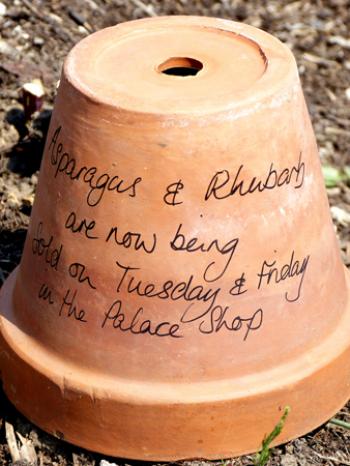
(181, 281)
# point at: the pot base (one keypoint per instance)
(156, 421)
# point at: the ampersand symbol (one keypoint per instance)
(171, 192)
(237, 287)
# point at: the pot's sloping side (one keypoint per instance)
(181, 281)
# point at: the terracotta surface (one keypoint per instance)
(181, 281)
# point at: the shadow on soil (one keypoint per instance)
(11, 246)
(25, 156)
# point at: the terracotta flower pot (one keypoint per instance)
(181, 281)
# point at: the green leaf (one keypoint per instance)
(332, 176)
(347, 172)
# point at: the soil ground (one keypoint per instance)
(35, 36)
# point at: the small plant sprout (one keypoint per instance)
(334, 176)
(262, 457)
(339, 422)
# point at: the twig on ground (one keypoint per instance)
(331, 458)
(78, 19)
(11, 442)
(64, 35)
(318, 60)
(25, 452)
(148, 9)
